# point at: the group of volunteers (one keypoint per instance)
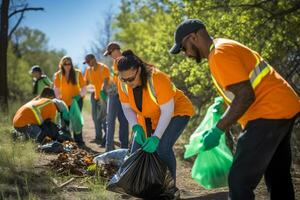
(144, 98)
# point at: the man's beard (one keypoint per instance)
(197, 56)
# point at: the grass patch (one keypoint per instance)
(21, 174)
(98, 190)
(19, 178)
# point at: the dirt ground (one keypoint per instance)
(189, 189)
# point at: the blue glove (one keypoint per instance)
(151, 144)
(211, 138)
(77, 97)
(139, 134)
(103, 95)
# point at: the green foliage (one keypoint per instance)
(269, 27)
(29, 47)
(18, 177)
(19, 80)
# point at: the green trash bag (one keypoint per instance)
(211, 167)
(76, 119)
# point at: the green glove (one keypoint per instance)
(103, 95)
(211, 138)
(139, 134)
(218, 104)
(66, 115)
(151, 144)
(77, 97)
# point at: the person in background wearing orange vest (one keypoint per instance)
(69, 85)
(114, 105)
(97, 74)
(29, 118)
(259, 99)
(156, 110)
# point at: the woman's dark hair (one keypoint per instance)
(47, 93)
(129, 60)
(72, 73)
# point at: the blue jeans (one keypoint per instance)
(115, 110)
(30, 131)
(263, 149)
(167, 141)
(99, 122)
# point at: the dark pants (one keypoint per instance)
(115, 110)
(30, 131)
(99, 118)
(167, 141)
(263, 148)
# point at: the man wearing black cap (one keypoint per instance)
(97, 74)
(40, 80)
(114, 105)
(258, 98)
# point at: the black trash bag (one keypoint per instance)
(51, 147)
(145, 176)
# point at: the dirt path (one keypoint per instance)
(89, 133)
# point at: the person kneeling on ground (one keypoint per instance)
(30, 119)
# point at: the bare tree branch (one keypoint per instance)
(259, 5)
(22, 11)
(15, 26)
(286, 12)
(26, 8)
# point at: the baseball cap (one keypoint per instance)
(35, 68)
(186, 27)
(110, 47)
(88, 57)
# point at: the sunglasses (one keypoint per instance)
(130, 79)
(66, 64)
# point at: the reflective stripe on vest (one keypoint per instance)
(37, 111)
(261, 69)
(60, 78)
(150, 88)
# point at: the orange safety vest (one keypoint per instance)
(37, 110)
(261, 69)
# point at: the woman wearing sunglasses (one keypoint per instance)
(68, 85)
(156, 110)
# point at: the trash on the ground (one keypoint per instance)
(69, 146)
(115, 157)
(51, 147)
(211, 168)
(74, 162)
(80, 162)
(143, 175)
(106, 170)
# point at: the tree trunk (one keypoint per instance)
(3, 56)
